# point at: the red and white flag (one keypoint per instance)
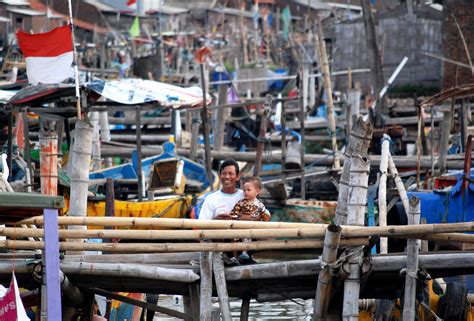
(48, 55)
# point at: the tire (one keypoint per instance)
(453, 305)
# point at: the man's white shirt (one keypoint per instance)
(219, 203)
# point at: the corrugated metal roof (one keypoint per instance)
(5, 19)
(26, 12)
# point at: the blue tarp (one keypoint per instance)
(448, 205)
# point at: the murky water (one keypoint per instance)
(283, 310)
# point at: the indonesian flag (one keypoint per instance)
(48, 55)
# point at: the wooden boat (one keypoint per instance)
(297, 210)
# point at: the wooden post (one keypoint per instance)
(81, 156)
(360, 138)
(48, 159)
(261, 137)
(205, 306)
(399, 183)
(374, 54)
(444, 141)
(328, 89)
(27, 154)
(358, 187)
(138, 130)
(218, 267)
(283, 141)
(194, 135)
(10, 143)
(409, 312)
(194, 298)
(205, 126)
(245, 309)
(96, 159)
(220, 122)
(243, 34)
(105, 133)
(302, 117)
(323, 290)
(383, 190)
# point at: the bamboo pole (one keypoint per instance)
(80, 169)
(347, 231)
(167, 222)
(130, 271)
(358, 188)
(205, 305)
(361, 136)
(180, 247)
(399, 183)
(323, 290)
(96, 158)
(383, 190)
(317, 232)
(409, 312)
(221, 285)
(327, 87)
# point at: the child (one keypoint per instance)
(250, 208)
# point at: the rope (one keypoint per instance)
(340, 261)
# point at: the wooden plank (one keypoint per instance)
(29, 200)
(51, 260)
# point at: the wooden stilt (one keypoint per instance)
(194, 300)
(328, 89)
(205, 126)
(323, 290)
(383, 190)
(220, 115)
(218, 267)
(261, 137)
(205, 306)
(358, 187)
(409, 311)
(48, 160)
(194, 135)
(105, 133)
(283, 141)
(444, 141)
(302, 117)
(27, 154)
(81, 156)
(360, 138)
(245, 309)
(96, 158)
(399, 183)
(138, 131)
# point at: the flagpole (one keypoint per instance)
(76, 71)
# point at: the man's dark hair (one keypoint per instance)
(229, 162)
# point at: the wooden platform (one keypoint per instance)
(18, 206)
